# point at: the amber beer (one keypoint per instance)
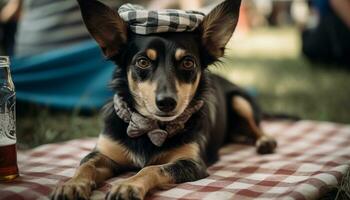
(8, 156)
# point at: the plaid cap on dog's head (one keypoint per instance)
(142, 21)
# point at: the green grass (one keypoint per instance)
(267, 60)
(42, 125)
(341, 192)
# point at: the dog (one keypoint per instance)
(159, 76)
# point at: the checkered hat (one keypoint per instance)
(142, 21)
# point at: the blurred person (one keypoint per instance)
(47, 25)
(263, 10)
(9, 14)
(328, 40)
(300, 12)
(280, 13)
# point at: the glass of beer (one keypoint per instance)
(8, 156)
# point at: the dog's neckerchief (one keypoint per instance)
(139, 125)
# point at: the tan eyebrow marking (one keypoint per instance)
(180, 53)
(151, 54)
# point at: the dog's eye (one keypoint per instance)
(143, 63)
(188, 63)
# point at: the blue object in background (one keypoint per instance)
(322, 6)
(73, 77)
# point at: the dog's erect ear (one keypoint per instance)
(218, 26)
(105, 26)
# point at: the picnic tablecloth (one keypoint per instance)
(311, 157)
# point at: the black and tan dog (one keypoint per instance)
(158, 76)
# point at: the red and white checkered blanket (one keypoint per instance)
(311, 157)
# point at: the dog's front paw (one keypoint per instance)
(125, 191)
(73, 189)
(265, 145)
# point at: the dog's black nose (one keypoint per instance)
(165, 103)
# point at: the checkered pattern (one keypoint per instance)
(145, 22)
(311, 157)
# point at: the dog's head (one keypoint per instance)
(163, 70)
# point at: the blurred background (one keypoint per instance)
(292, 55)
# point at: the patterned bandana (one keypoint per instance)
(139, 125)
(145, 22)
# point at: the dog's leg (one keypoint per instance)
(179, 165)
(94, 169)
(245, 114)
